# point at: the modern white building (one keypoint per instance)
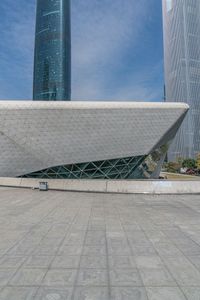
(86, 139)
(181, 26)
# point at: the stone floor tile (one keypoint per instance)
(60, 277)
(74, 240)
(195, 260)
(92, 277)
(95, 240)
(27, 277)
(66, 262)
(132, 227)
(152, 262)
(116, 238)
(167, 249)
(183, 271)
(45, 250)
(96, 227)
(128, 293)
(189, 250)
(93, 262)
(165, 293)
(119, 249)
(157, 229)
(18, 293)
(143, 250)
(125, 277)
(79, 227)
(192, 293)
(95, 234)
(12, 262)
(156, 277)
(121, 262)
(5, 275)
(38, 262)
(91, 293)
(70, 250)
(178, 262)
(115, 234)
(54, 293)
(21, 250)
(94, 250)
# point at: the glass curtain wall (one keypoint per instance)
(52, 61)
(181, 24)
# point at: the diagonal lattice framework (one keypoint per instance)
(123, 168)
(107, 169)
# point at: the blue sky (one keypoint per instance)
(117, 51)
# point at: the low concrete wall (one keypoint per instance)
(109, 186)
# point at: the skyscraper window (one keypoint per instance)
(169, 4)
(182, 70)
(52, 61)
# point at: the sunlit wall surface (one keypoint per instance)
(52, 64)
(181, 22)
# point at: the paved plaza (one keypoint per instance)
(79, 246)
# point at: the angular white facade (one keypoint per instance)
(181, 26)
(36, 136)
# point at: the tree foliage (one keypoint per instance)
(172, 167)
(189, 163)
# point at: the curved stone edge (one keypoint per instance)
(109, 186)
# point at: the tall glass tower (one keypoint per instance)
(181, 23)
(52, 59)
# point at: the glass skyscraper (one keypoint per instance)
(181, 23)
(52, 59)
